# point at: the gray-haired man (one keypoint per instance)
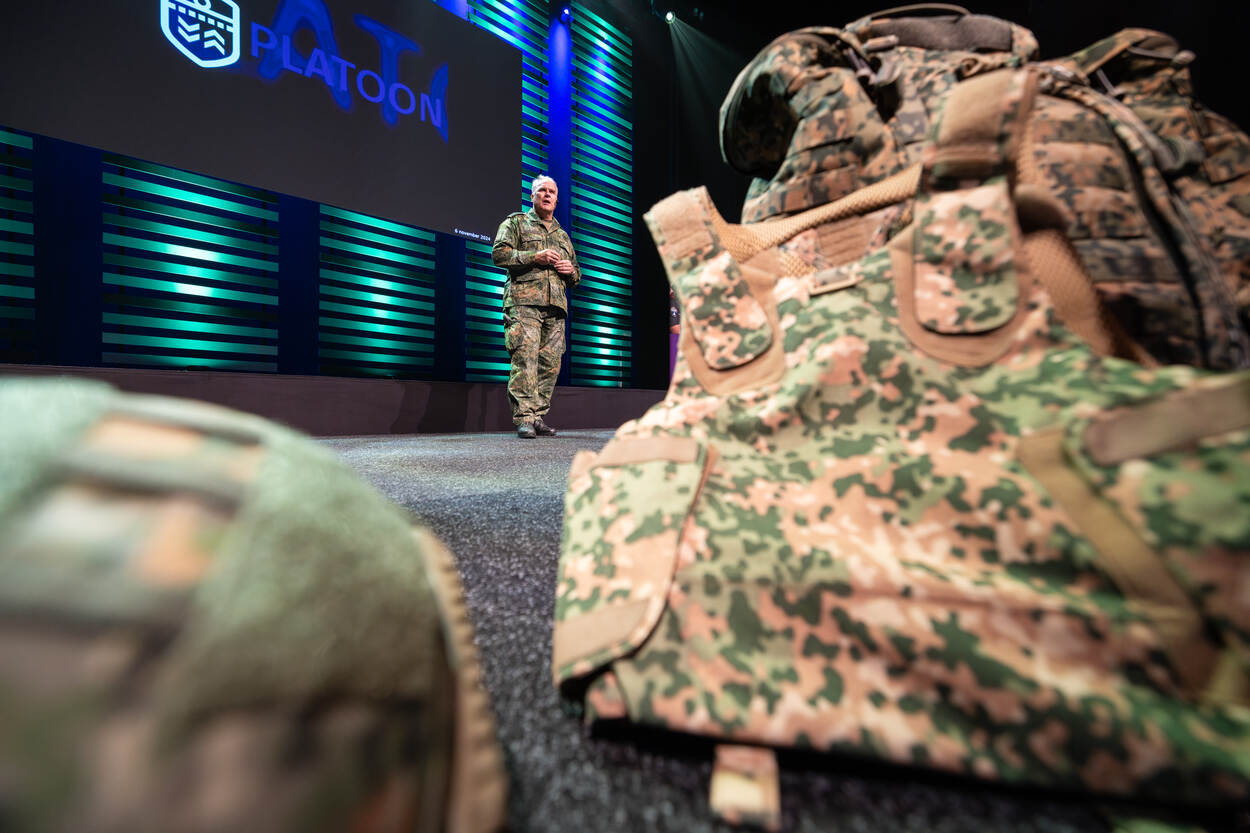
(539, 258)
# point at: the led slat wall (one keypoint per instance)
(602, 200)
(486, 360)
(376, 296)
(17, 247)
(522, 23)
(190, 269)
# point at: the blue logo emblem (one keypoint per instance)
(206, 31)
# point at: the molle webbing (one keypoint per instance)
(1170, 423)
(1224, 343)
(746, 241)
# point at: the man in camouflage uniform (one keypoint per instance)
(539, 258)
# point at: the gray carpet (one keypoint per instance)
(497, 502)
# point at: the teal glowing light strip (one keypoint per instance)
(486, 360)
(602, 200)
(172, 241)
(356, 305)
(18, 324)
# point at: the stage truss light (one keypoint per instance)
(565, 15)
(669, 18)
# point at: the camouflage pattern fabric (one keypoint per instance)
(906, 542)
(1152, 182)
(727, 321)
(535, 306)
(1207, 158)
(534, 337)
(1153, 265)
(821, 112)
(208, 623)
(520, 237)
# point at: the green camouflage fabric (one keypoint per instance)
(1206, 157)
(1153, 265)
(520, 237)
(208, 623)
(992, 550)
(821, 112)
(534, 338)
(716, 302)
(1153, 183)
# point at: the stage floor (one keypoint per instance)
(497, 502)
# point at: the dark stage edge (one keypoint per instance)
(498, 504)
(330, 406)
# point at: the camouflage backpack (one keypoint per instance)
(1206, 158)
(208, 623)
(821, 112)
(1155, 267)
(915, 504)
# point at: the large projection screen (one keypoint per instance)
(395, 108)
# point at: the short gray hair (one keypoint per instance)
(539, 180)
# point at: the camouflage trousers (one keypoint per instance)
(534, 337)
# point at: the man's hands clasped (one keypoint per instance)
(554, 258)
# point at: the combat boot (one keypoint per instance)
(248, 636)
(526, 431)
(542, 429)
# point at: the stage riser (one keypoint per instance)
(328, 406)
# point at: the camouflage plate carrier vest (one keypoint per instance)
(1206, 159)
(208, 623)
(914, 505)
(800, 114)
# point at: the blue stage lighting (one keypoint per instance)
(565, 14)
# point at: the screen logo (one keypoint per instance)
(206, 31)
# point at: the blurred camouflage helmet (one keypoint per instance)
(209, 623)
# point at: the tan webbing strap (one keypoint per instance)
(966, 279)
(746, 241)
(679, 226)
(1057, 268)
(595, 631)
(719, 309)
(983, 117)
(1169, 423)
(745, 787)
(1134, 567)
(623, 451)
(1230, 681)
